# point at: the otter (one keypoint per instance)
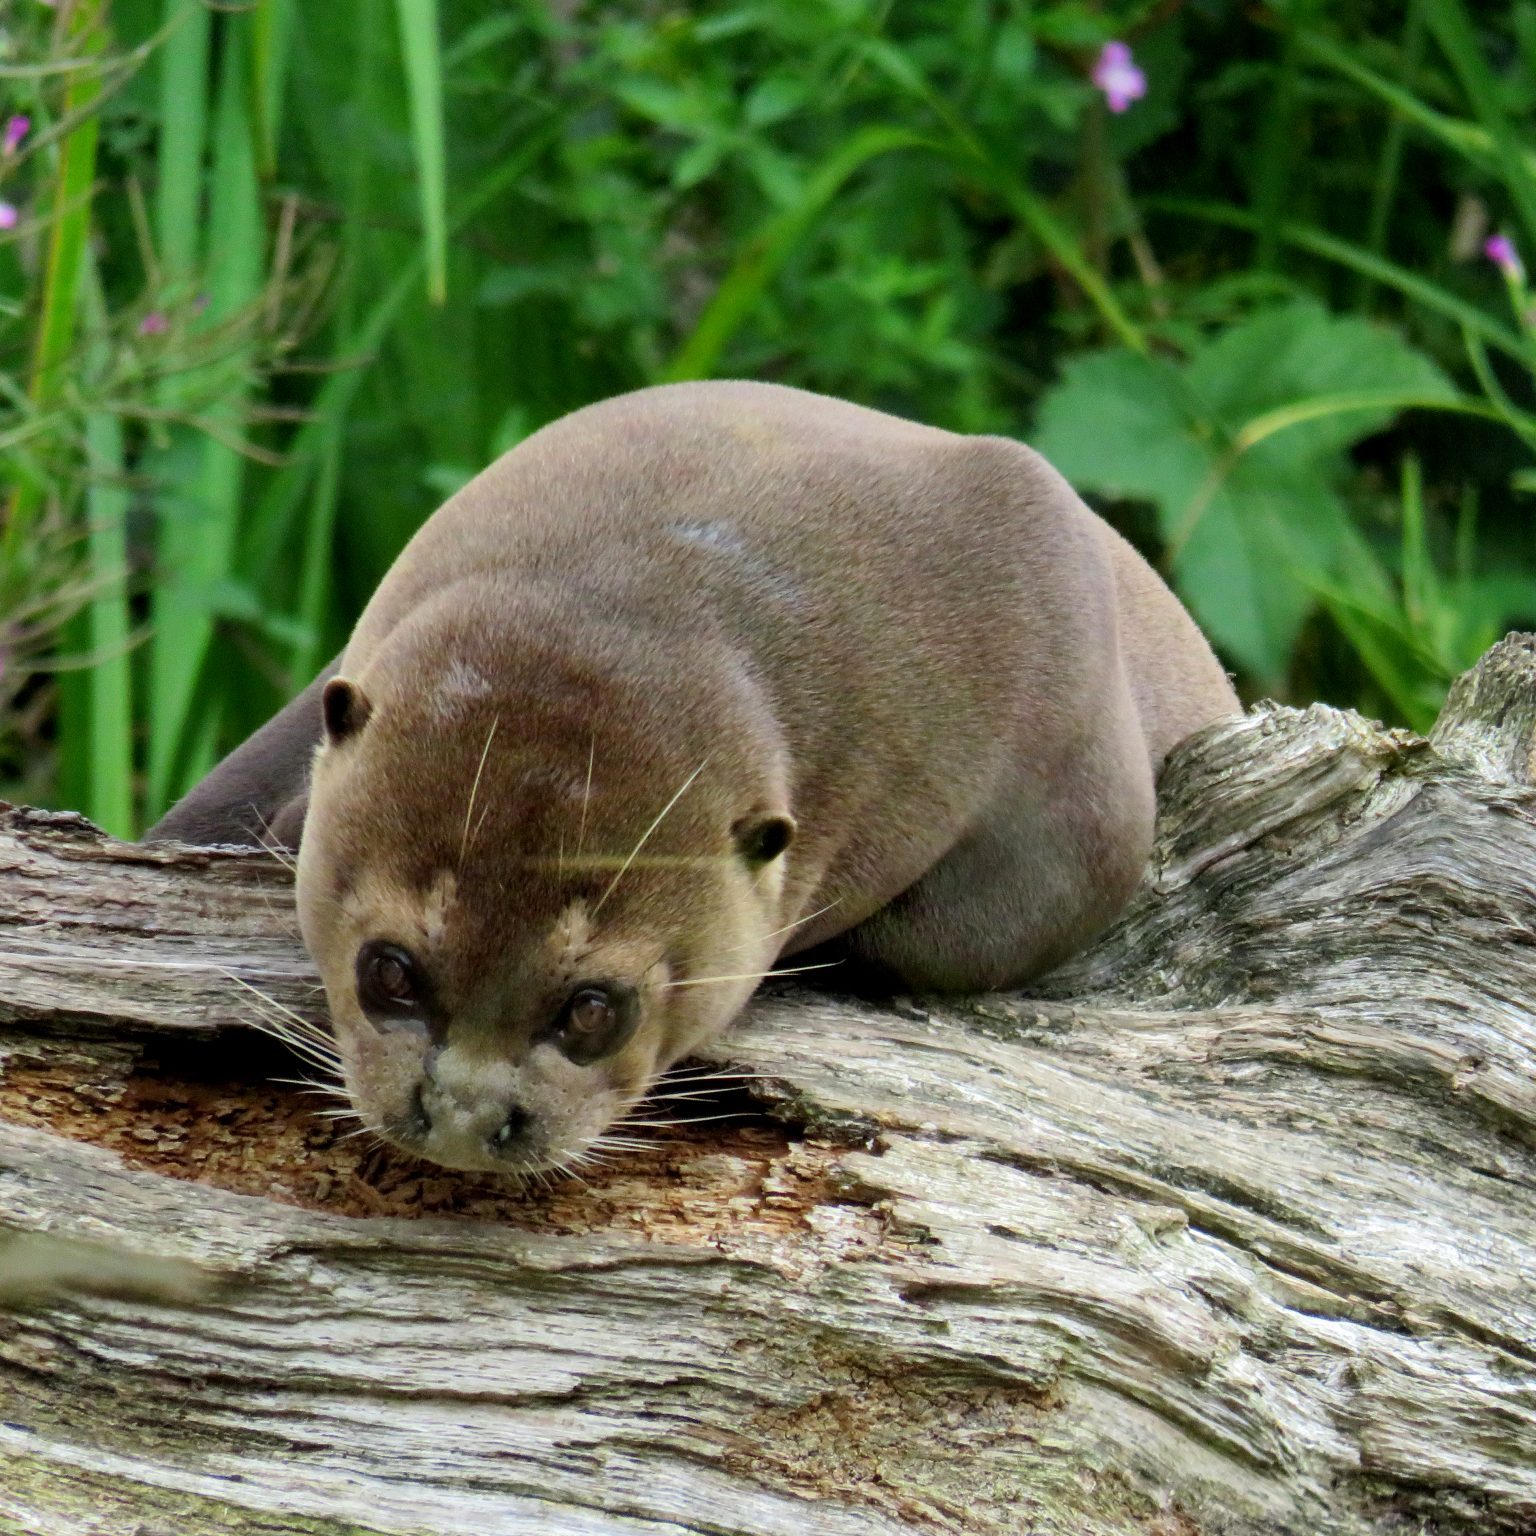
(690, 681)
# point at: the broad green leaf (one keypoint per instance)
(1299, 353)
(1113, 424)
(1240, 450)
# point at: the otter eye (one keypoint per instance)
(588, 1012)
(388, 979)
(594, 1022)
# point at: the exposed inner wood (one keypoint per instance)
(725, 1170)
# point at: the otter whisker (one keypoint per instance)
(304, 1052)
(658, 1143)
(646, 836)
(281, 854)
(586, 796)
(322, 1057)
(271, 846)
(474, 789)
(316, 1048)
(308, 1053)
(688, 1071)
(773, 933)
(307, 1025)
(667, 1125)
(566, 1169)
(681, 1098)
(792, 970)
(308, 1088)
(278, 1026)
(335, 1118)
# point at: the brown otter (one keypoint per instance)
(688, 681)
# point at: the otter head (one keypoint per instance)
(525, 903)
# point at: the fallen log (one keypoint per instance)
(1227, 1228)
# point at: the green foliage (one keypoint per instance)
(1414, 636)
(1241, 447)
(287, 274)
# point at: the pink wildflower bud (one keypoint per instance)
(16, 129)
(153, 324)
(1117, 76)
(1500, 250)
(8, 216)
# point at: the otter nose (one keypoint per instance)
(483, 1116)
(474, 1108)
(510, 1131)
(506, 1135)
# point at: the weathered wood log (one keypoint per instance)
(1229, 1228)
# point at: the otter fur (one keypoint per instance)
(690, 681)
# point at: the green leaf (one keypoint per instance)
(668, 106)
(698, 161)
(1240, 449)
(1300, 353)
(1113, 424)
(774, 100)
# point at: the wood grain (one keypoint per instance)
(1228, 1228)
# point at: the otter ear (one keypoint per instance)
(761, 839)
(345, 709)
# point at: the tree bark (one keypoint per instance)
(1227, 1228)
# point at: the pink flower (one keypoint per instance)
(153, 324)
(1500, 250)
(1118, 77)
(16, 129)
(8, 216)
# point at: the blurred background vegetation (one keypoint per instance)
(276, 277)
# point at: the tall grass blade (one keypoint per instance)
(198, 536)
(1054, 236)
(101, 747)
(1420, 589)
(1384, 185)
(109, 796)
(183, 120)
(1452, 29)
(1277, 138)
(420, 49)
(1464, 139)
(70, 230)
(271, 32)
(274, 517)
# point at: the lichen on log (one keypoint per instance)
(1227, 1227)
